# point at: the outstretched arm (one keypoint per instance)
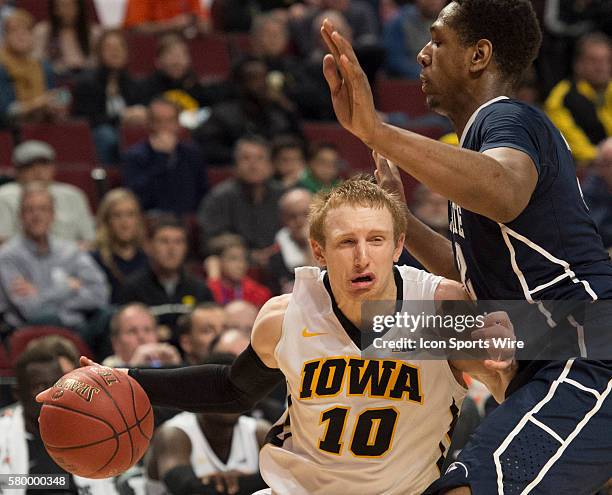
(505, 178)
(219, 388)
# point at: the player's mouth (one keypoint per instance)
(363, 280)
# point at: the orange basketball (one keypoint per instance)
(96, 422)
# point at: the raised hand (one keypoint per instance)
(350, 90)
(388, 176)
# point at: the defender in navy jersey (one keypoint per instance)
(520, 230)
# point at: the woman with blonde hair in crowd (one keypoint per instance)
(120, 234)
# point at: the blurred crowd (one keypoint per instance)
(158, 160)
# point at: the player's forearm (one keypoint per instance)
(210, 388)
(453, 172)
(433, 250)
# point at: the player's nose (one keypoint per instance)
(423, 57)
(361, 254)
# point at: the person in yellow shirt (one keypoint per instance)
(581, 107)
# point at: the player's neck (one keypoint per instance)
(352, 307)
(486, 90)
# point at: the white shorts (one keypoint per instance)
(265, 491)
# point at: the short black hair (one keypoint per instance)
(38, 352)
(164, 221)
(317, 146)
(510, 25)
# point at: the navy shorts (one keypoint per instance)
(552, 436)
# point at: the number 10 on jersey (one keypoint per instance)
(372, 433)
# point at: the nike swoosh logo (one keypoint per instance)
(306, 333)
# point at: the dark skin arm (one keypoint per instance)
(503, 178)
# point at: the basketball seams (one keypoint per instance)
(138, 421)
(127, 427)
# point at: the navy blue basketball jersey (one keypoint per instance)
(552, 250)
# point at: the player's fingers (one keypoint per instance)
(326, 32)
(85, 361)
(344, 47)
(43, 395)
(330, 71)
(494, 365)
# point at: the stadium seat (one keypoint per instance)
(6, 149)
(218, 174)
(142, 49)
(20, 339)
(72, 140)
(80, 175)
(210, 56)
(38, 9)
(6, 368)
(400, 95)
(352, 150)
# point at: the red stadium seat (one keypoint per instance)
(38, 8)
(72, 140)
(210, 56)
(401, 95)
(80, 176)
(218, 174)
(351, 149)
(6, 149)
(6, 366)
(20, 339)
(142, 49)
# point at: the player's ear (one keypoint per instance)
(317, 252)
(481, 55)
(399, 246)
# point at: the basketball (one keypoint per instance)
(96, 422)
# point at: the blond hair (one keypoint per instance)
(356, 191)
(105, 240)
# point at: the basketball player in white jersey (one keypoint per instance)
(352, 425)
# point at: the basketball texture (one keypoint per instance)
(96, 422)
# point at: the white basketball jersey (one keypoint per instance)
(244, 453)
(353, 425)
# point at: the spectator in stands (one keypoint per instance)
(161, 16)
(66, 38)
(259, 108)
(133, 332)
(597, 190)
(164, 285)
(407, 33)
(581, 107)
(226, 272)
(241, 315)
(293, 247)
(324, 166)
(288, 159)
(220, 450)
(167, 174)
(318, 105)
(21, 447)
(199, 329)
(34, 161)
(232, 341)
(108, 96)
(270, 42)
(246, 205)
(26, 84)
(47, 280)
(119, 238)
(431, 208)
(175, 79)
